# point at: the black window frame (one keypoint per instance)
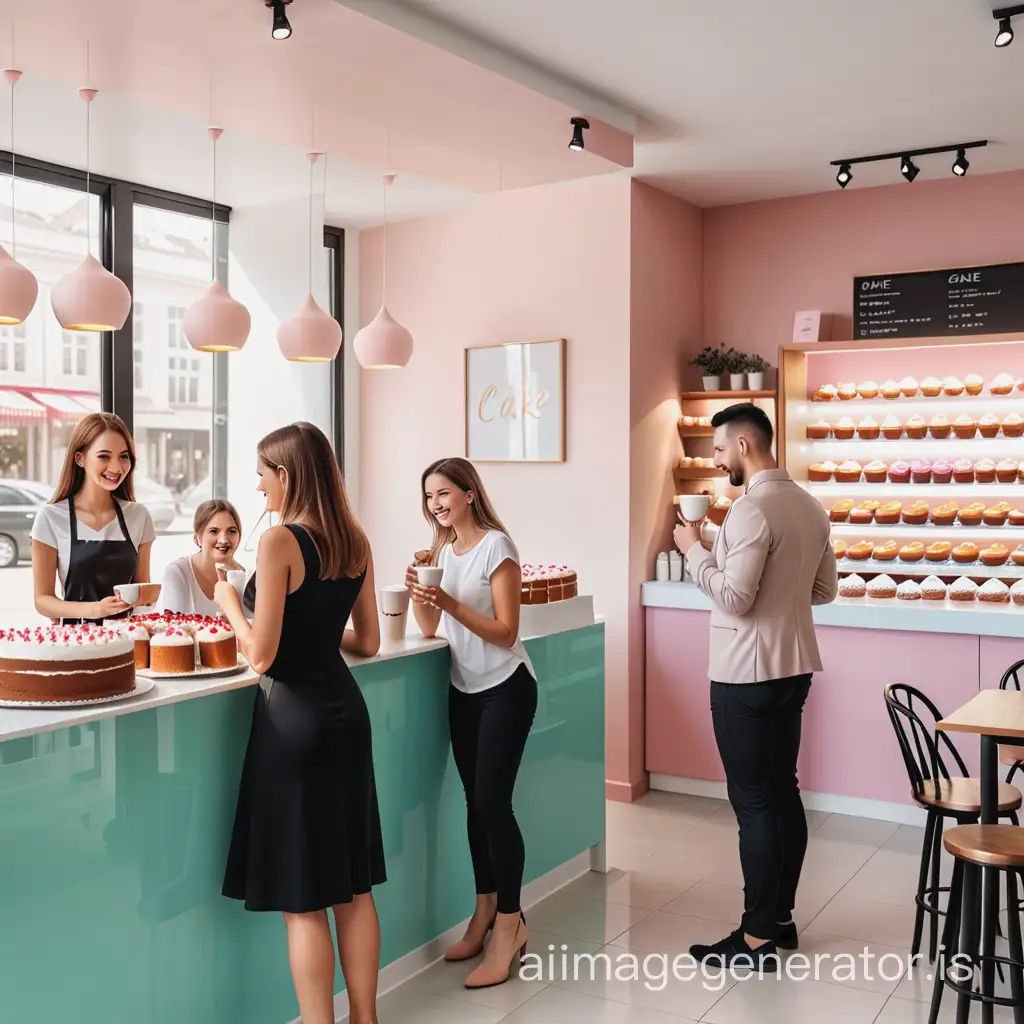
(334, 239)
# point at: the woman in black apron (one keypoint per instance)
(93, 536)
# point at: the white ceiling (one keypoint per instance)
(742, 100)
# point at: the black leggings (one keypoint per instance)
(489, 731)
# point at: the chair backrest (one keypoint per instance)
(1011, 677)
(913, 718)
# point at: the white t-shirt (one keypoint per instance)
(52, 527)
(180, 591)
(476, 664)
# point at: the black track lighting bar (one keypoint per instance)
(903, 154)
(1008, 12)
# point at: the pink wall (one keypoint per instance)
(765, 261)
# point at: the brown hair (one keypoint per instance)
(464, 476)
(72, 475)
(208, 509)
(315, 495)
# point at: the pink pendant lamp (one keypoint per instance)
(311, 336)
(18, 286)
(90, 298)
(216, 322)
(383, 344)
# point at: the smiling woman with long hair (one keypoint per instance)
(307, 831)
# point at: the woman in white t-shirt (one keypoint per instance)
(189, 582)
(491, 701)
(93, 536)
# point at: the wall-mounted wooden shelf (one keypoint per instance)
(687, 432)
(697, 474)
(700, 396)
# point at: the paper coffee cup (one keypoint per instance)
(394, 608)
(693, 507)
(127, 592)
(429, 575)
(236, 577)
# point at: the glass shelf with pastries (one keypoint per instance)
(922, 568)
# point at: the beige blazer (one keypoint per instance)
(770, 562)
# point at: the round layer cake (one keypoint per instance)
(65, 663)
(543, 584)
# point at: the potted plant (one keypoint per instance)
(736, 363)
(712, 364)
(755, 373)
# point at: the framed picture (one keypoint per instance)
(515, 402)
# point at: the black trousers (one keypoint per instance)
(489, 731)
(757, 727)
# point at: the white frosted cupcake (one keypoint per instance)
(964, 589)
(1017, 592)
(994, 591)
(909, 590)
(852, 586)
(882, 587)
(933, 589)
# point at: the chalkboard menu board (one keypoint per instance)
(969, 300)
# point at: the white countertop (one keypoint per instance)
(972, 619)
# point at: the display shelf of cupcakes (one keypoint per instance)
(957, 432)
(946, 519)
(933, 592)
(695, 426)
(1002, 386)
(958, 475)
(989, 557)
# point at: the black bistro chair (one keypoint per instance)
(1012, 754)
(941, 793)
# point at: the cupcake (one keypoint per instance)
(952, 386)
(1002, 384)
(988, 425)
(892, 428)
(890, 389)
(840, 511)
(819, 431)
(933, 589)
(973, 384)
(965, 553)
(860, 551)
(1016, 517)
(843, 430)
(899, 472)
(867, 429)
(965, 427)
(869, 389)
(916, 514)
(1017, 555)
(886, 551)
(825, 393)
(1013, 425)
(852, 586)
(995, 516)
(889, 513)
(985, 471)
(1006, 471)
(943, 515)
(965, 589)
(942, 471)
(846, 392)
(963, 471)
(876, 471)
(882, 587)
(921, 471)
(940, 427)
(864, 513)
(909, 590)
(916, 427)
(912, 552)
(939, 551)
(970, 515)
(931, 387)
(909, 387)
(839, 549)
(819, 472)
(848, 472)
(1017, 592)
(994, 554)
(994, 591)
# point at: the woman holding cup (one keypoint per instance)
(472, 586)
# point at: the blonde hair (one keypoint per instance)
(463, 475)
(72, 475)
(208, 509)
(315, 495)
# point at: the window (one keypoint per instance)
(75, 353)
(183, 364)
(138, 341)
(13, 348)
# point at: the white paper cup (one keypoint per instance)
(127, 592)
(236, 577)
(394, 612)
(693, 507)
(429, 575)
(394, 600)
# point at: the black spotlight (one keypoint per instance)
(578, 124)
(282, 28)
(961, 163)
(845, 176)
(909, 169)
(1005, 34)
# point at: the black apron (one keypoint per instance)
(95, 567)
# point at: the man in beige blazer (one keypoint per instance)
(770, 562)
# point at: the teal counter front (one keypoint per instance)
(113, 834)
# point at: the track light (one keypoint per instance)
(282, 28)
(578, 124)
(845, 175)
(1004, 35)
(961, 163)
(909, 169)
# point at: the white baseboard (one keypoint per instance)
(418, 960)
(880, 810)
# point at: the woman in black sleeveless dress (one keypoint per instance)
(307, 832)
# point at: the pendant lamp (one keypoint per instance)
(18, 285)
(216, 322)
(90, 298)
(383, 344)
(311, 336)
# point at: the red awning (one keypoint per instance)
(16, 407)
(62, 406)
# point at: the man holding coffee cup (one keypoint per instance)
(770, 563)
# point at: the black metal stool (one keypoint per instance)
(940, 794)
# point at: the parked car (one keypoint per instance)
(20, 500)
(195, 496)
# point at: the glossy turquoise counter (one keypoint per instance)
(113, 836)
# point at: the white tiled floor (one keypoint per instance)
(674, 879)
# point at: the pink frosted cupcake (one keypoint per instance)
(963, 471)
(921, 471)
(942, 471)
(899, 472)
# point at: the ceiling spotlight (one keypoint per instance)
(961, 163)
(578, 124)
(282, 27)
(845, 175)
(1004, 36)
(909, 169)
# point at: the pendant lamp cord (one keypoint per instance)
(14, 168)
(88, 141)
(309, 233)
(213, 203)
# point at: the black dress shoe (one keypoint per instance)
(733, 951)
(787, 937)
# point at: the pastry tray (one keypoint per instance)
(196, 673)
(141, 686)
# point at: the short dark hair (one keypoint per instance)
(748, 415)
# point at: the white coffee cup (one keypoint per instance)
(127, 592)
(394, 608)
(236, 577)
(693, 507)
(429, 575)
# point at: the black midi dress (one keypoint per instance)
(307, 828)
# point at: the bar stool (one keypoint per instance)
(940, 794)
(992, 848)
(1012, 754)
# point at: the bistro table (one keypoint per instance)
(994, 715)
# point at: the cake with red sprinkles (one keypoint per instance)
(217, 646)
(545, 584)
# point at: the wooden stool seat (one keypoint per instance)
(963, 796)
(994, 846)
